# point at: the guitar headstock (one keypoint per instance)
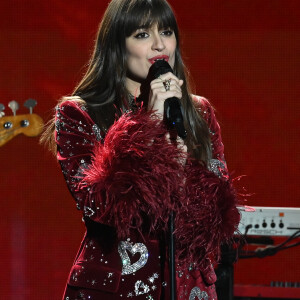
(29, 124)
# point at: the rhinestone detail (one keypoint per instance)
(196, 292)
(140, 248)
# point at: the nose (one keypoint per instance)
(158, 43)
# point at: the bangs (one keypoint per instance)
(146, 13)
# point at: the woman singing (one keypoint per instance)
(127, 170)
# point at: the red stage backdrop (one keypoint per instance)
(243, 56)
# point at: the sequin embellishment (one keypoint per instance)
(140, 248)
(97, 132)
(196, 292)
(88, 211)
(141, 288)
(216, 166)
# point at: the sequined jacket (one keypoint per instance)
(126, 182)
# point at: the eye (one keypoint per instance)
(141, 35)
(167, 32)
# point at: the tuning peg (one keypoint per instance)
(30, 104)
(2, 107)
(14, 106)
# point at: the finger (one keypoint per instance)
(163, 95)
(169, 85)
(171, 137)
(175, 87)
(161, 85)
(168, 137)
(157, 84)
(173, 93)
(168, 76)
(169, 94)
(180, 142)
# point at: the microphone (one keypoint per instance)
(173, 113)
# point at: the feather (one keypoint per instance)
(134, 173)
(206, 218)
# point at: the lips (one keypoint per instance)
(154, 59)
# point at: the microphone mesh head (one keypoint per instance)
(160, 67)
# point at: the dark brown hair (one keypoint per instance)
(103, 85)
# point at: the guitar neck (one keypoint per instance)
(11, 126)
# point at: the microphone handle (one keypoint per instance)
(174, 115)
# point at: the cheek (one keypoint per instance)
(136, 60)
(135, 52)
(133, 57)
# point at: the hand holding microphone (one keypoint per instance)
(164, 87)
(164, 95)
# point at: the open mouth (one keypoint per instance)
(159, 57)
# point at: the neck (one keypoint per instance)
(133, 87)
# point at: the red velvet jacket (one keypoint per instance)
(126, 184)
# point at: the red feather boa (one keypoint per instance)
(206, 218)
(137, 174)
(134, 174)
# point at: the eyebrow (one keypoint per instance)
(142, 27)
(149, 26)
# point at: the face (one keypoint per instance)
(145, 46)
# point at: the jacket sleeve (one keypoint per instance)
(76, 136)
(217, 164)
(122, 178)
(209, 216)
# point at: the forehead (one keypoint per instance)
(151, 27)
(147, 18)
